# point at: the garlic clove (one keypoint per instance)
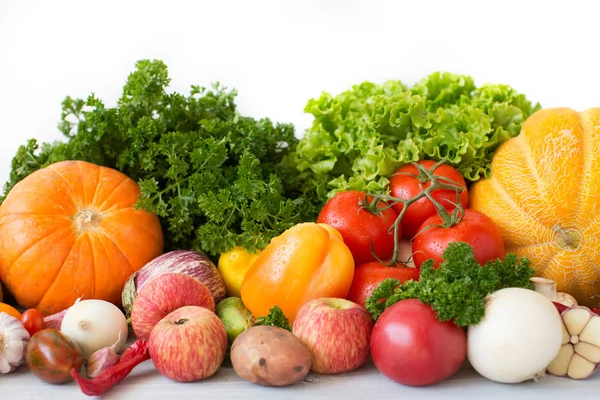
(101, 360)
(588, 351)
(55, 320)
(580, 368)
(560, 364)
(566, 338)
(575, 319)
(591, 332)
(13, 343)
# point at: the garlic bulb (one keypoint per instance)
(579, 355)
(13, 343)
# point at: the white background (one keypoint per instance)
(279, 54)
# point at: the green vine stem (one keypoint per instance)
(424, 175)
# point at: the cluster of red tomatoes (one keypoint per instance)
(370, 238)
(426, 231)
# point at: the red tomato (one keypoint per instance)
(411, 346)
(357, 226)
(368, 276)
(33, 321)
(475, 229)
(406, 187)
(596, 310)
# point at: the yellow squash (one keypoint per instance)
(544, 195)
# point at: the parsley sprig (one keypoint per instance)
(458, 288)
(276, 317)
(215, 178)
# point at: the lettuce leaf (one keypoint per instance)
(361, 136)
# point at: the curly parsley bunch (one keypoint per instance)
(215, 178)
(458, 288)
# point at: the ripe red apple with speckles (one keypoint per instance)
(337, 332)
(166, 294)
(188, 344)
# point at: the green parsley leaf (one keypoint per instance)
(458, 288)
(276, 317)
(215, 178)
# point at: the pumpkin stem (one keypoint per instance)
(87, 220)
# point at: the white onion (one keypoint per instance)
(94, 325)
(517, 339)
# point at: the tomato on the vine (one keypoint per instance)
(475, 228)
(32, 320)
(405, 184)
(368, 276)
(359, 227)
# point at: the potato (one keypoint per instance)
(270, 356)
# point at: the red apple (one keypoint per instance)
(164, 294)
(337, 333)
(189, 344)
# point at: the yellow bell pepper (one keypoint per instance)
(233, 266)
(306, 262)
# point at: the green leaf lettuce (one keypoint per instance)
(361, 136)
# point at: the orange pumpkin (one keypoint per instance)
(71, 230)
(544, 195)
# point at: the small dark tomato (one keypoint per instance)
(51, 355)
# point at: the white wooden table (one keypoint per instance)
(366, 383)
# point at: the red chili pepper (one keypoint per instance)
(131, 357)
